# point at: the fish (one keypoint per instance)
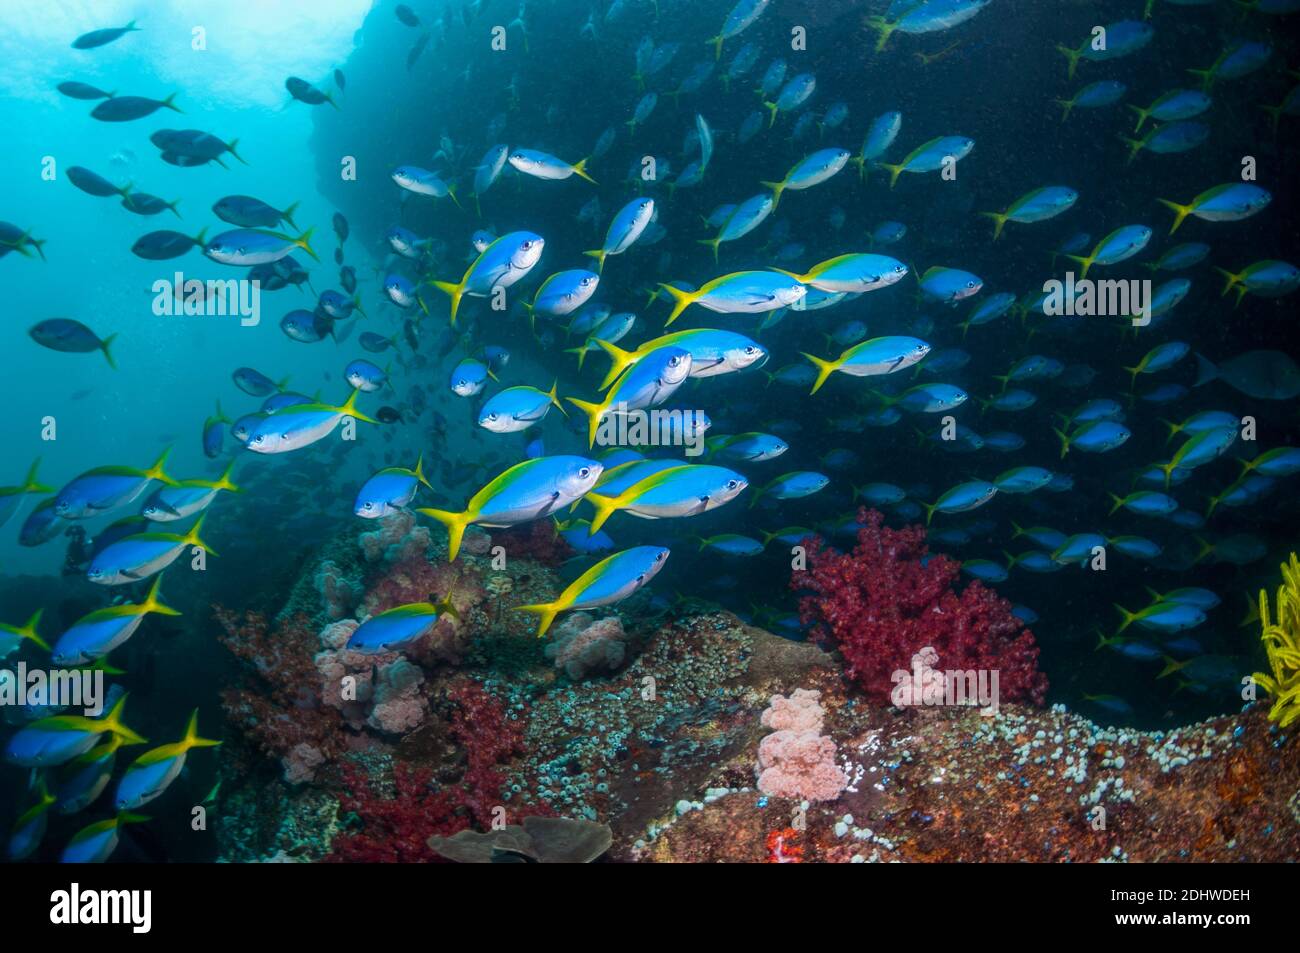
(877, 356)
(390, 490)
(251, 246)
(930, 156)
(500, 265)
(543, 165)
(628, 225)
(611, 580)
(71, 337)
(811, 170)
(1230, 202)
(96, 842)
(248, 212)
(742, 292)
(301, 425)
(648, 383)
(130, 108)
(524, 492)
(676, 491)
(518, 408)
(400, 627)
(77, 90)
(712, 352)
(305, 92)
(97, 38)
(149, 776)
(92, 183)
(143, 555)
(1036, 206)
(186, 498)
(53, 741)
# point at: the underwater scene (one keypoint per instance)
(750, 431)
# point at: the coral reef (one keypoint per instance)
(581, 645)
(276, 706)
(889, 598)
(477, 729)
(339, 594)
(539, 541)
(397, 537)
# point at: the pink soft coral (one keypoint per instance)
(796, 760)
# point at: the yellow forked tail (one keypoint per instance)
(1128, 617)
(600, 255)
(594, 413)
(580, 169)
(712, 243)
(545, 612)
(349, 409)
(455, 292)
(156, 472)
(113, 723)
(999, 221)
(777, 188)
(1180, 213)
(824, 370)
(605, 507)
(681, 301)
(192, 538)
(619, 361)
(1085, 261)
(456, 524)
(1071, 56)
(884, 28)
(153, 603)
(192, 739)
(303, 241)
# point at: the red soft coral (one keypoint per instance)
(278, 706)
(889, 598)
(397, 829)
(394, 830)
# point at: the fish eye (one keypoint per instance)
(732, 484)
(491, 416)
(584, 472)
(367, 506)
(750, 349)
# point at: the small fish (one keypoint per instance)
(128, 108)
(150, 775)
(611, 580)
(71, 337)
(390, 490)
(543, 165)
(305, 92)
(526, 491)
(97, 38)
(399, 628)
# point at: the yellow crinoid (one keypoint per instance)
(1282, 644)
